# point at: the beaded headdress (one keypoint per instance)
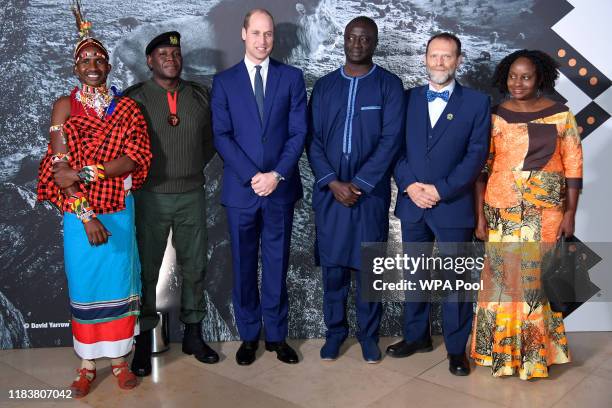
(84, 28)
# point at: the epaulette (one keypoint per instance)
(130, 90)
(201, 91)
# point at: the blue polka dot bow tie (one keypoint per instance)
(432, 95)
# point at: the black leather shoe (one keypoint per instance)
(141, 363)
(193, 344)
(458, 364)
(284, 352)
(246, 353)
(408, 348)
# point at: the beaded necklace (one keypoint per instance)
(96, 99)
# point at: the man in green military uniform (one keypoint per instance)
(178, 118)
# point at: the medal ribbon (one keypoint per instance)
(172, 98)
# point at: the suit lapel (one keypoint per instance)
(243, 81)
(421, 121)
(447, 116)
(270, 92)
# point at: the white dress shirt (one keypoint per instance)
(437, 106)
(252, 70)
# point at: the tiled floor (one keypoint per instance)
(421, 380)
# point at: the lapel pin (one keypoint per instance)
(449, 116)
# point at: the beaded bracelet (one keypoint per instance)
(79, 204)
(92, 173)
(60, 157)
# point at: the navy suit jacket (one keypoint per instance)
(450, 156)
(249, 145)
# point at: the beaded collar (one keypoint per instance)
(96, 99)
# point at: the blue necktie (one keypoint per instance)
(432, 95)
(259, 91)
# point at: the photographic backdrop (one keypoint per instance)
(37, 38)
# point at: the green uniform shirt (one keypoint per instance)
(180, 153)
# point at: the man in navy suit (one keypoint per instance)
(259, 126)
(445, 147)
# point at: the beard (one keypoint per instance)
(440, 78)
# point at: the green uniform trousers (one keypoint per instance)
(185, 213)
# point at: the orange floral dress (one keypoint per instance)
(534, 158)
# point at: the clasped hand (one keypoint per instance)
(423, 195)
(264, 184)
(346, 194)
(64, 175)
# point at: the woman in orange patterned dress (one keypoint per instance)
(528, 194)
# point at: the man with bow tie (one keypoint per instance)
(444, 150)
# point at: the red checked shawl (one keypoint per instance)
(91, 140)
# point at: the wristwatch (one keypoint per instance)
(279, 178)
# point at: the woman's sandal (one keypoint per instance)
(80, 386)
(126, 379)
